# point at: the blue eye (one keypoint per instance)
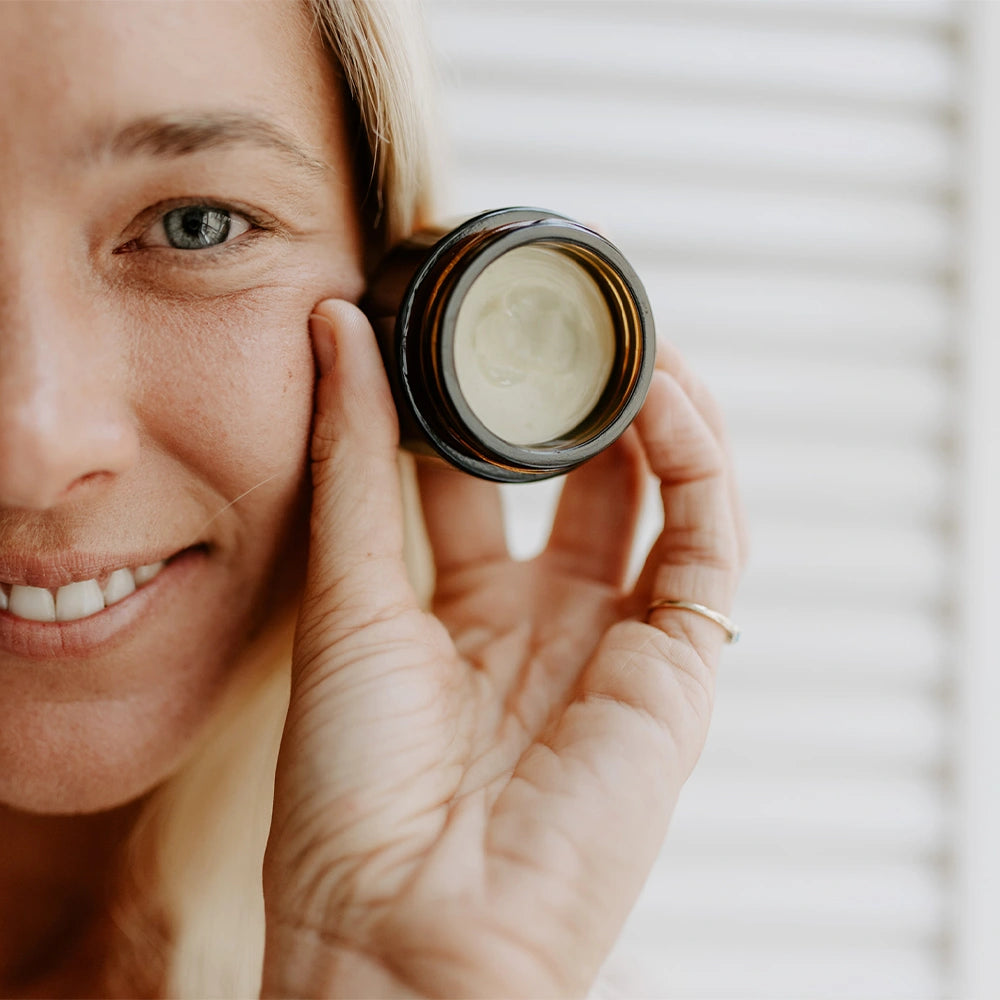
(192, 226)
(195, 227)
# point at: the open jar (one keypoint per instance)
(518, 344)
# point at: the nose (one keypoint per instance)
(66, 425)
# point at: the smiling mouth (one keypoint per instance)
(76, 600)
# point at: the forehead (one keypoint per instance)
(70, 71)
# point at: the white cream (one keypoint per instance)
(76, 600)
(534, 345)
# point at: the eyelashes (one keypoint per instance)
(200, 246)
(195, 229)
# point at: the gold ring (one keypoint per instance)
(732, 629)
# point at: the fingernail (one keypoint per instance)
(321, 331)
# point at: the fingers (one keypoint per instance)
(697, 555)
(598, 512)
(640, 713)
(670, 360)
(357, 523)
(463, 517)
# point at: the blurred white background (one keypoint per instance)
(807, 189)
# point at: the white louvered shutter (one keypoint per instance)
(790, 180)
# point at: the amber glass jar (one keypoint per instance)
(519, 344)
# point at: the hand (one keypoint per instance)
(468, 801)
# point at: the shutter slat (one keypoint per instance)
(794, 731)
(846, 567)
(888, 403)
(876, 647)
(829, 229)
(855, 897)
(903, 483)
(752, 971)
(770, 143)
(784, 815)
(696, 49)
(790, 314)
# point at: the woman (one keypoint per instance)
(465, 801)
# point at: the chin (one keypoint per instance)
(79, 765)
(87, 756)
(94, 733)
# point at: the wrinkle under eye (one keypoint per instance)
(195, 227)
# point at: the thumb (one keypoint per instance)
(356, 569)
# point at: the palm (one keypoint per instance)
(467, 801)
(526, 631)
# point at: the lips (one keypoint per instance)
(50, 644)
(78, 599)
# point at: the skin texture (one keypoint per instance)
(468, 800)
(142, 389)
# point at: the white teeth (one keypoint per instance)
(143, 574)
(35, 603)
(78, 600)
(120, 584)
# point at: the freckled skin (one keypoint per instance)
(140, 392)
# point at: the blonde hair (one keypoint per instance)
(378, 45)
(191, 910)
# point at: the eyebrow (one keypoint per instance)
(183, 134)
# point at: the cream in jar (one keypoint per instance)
(534, 345)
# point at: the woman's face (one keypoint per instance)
(176, 196)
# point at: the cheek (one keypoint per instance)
(225, 386)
